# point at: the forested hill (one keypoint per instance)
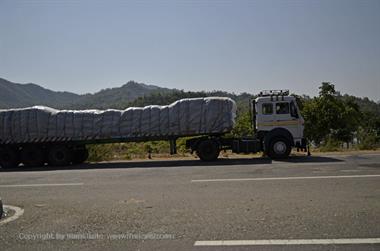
(119, 97)
(242, 99)
(365, 104)
(15, 95)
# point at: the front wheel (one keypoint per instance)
(208, 150)
(279, 148)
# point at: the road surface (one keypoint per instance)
(305, 203)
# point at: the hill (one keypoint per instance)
(14, 95)
(119, 97)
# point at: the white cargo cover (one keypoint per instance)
(184, 117)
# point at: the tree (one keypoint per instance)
(349, 121)
(243, 125)
(328, 117)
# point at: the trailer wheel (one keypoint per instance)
(279, 148)
(80, 156)
(208, 150)
(9, 157)
(32, 156)
(59, 156)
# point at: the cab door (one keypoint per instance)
(284, 118)
(265, 116)
(296, 116)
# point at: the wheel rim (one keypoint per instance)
(279, 147)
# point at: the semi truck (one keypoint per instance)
(39, 136)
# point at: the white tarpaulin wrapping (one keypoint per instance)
(181, 118)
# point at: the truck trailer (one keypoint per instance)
(36, 136)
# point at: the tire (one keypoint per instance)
(279, 148)
(80, 156)
(208, 150)
(32, 156)
(9, 158)
(59, 156)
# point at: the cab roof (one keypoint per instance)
(274, 98)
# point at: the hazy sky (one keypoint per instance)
(84, 46)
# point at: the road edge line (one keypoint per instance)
(18, 213)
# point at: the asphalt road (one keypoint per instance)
(186, 205)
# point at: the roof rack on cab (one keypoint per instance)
(268, 93)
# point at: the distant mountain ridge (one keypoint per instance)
(118, 97)
(15, 95)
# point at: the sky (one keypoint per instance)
(236, 46)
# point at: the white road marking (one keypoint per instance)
(43, 185)
(288, 242)
(282, 163)
(291, 178)
(18, 213)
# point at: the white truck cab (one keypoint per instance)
(277, 113)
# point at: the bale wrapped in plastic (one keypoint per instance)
(185, 117)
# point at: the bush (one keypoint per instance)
(368, 142)
(99, 152)
(330, 145)
(131, 150)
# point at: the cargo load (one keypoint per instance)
(185, 117)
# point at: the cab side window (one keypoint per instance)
(282, 108)
(267, 108)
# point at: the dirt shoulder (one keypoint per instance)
(229, 155)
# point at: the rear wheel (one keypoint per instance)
(60, 156)
(279, 148)
(208, 150)
(32, 156)
(9, 157)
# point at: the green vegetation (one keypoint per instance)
(243, 125)
(332, 120)
(133, 150)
